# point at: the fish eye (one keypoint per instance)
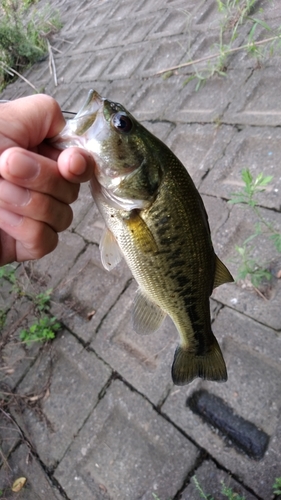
(122, 123)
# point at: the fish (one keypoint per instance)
(156, 220)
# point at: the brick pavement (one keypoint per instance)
(110, 423)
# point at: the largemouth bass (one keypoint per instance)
(155, 218)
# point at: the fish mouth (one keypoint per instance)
(76, 128)
(86, 116)
(91, 106)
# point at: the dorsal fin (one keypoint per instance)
(222, 274)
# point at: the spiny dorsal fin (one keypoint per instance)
(109, 250)
(222, 274)
(147, 316)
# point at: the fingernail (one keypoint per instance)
(23, 165)
(10, 218)
(77, 164)
(14, 195)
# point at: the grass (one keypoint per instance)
(233, 15)
(248, 197)
(24, 34)
(229, 492)
(46, 325)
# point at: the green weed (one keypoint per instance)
(45, 326)
(225, 491)
(249, 196)
(277, 486)
(7, 272)
(200, 490)
(43, 330)
(23, 36)
(233, 14)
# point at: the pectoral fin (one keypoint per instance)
(109, 250)
(141, 233)
(147, 316)
(222, 274)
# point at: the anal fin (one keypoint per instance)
(147, 316)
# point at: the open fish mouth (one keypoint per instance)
(75, 131)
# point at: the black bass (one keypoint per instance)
(156, 220)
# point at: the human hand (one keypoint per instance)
(37, 182)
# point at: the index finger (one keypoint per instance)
(27, 121)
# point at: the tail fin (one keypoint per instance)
(187, 365)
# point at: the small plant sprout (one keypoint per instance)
(232, 16)
(200, 490)
(41, 331)
(277, 486)
(45, 326)
(229, 493)
(225, 491)
(248, 196)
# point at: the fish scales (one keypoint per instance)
(156, 218)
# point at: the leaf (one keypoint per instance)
(261, 23)
(262, 180)
(18, 484)
(247, 176)
(276, 241)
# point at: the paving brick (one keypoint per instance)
(89, 289)
(256, 149)
(140, 28)
(87, 41)
(74, 101)
(122, 91)
(9, 437)
(146, 103)
(126, 450)
(63, 408)
(259, 100)
(23, 464)
(148, 6)
(17, 357)
(165, 53)
(85, 14)
(120, 11)
(209, 102)
(170, 22)
(126, 62)
(207, 15)
(211, 479)
(81, 206)
(39, 75)
(251, 391)
(159, 129)
(6, 299)
(199, 147)
(96, 65)
(70, 67)
(92, 225)
(243, 297)
(61, 93)
(55, 267)
(144, 360)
